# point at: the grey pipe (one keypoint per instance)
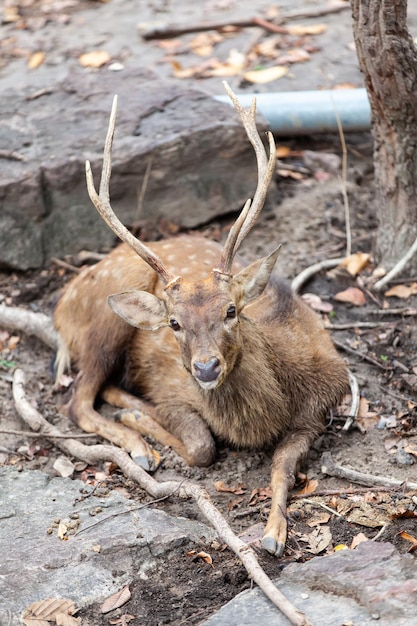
(311, 112)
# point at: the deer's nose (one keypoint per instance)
(208, 371)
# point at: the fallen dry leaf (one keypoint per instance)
(351, 295)
(309, 487)
(289, 174)
(318, 540)
(259, 495)
(308, 29)
(203, 43)
(35, 60)
(316, 303)
(62, 619)
(96, 58)
(357, 539)
(402, 291)
(116, 600)
(320, 518)
(266, 75)
(123, 620)
(201, 555)
(296, 55)
(356, 263)
(405, 535)
(221, 486)
(46, 611)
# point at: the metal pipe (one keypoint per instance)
(311, 112)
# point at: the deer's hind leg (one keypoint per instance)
(286, 460)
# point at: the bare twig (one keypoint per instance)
(397, 268)
(12, 155)
(176, 30)
(99, 453)
(406, 310)
(30, 323)
(65, 265)
(354, 407)
(310, 271)
(329, 467)
(29, 433)
(364, 357)
(331, 326)
(323, 506)
(343, 183)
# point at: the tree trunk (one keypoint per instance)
(388, 59)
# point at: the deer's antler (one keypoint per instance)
(101, 201)
(266, 166)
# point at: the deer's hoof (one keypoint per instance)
(276, 548)
(148, 462)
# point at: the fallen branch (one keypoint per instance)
(29, 433)
(176, 30)
(354, 407)
(98, 453)
(397, 268)
(310, 271)
(329, 467)
(30, 323)
(364, 357)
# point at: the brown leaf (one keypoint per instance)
(259, 495)
(96, 58)
(205, 557)
(221, 486)
(320, 518)
(35, 60)
(351, 295)
(116, 600)
(356, 263)
(402, 291)
(123, 620)
(318, 540)
(308, 29)
(316, 303)
(309, 487)
(47, 610)
(266, 75)
(405, 535)
(357, 539)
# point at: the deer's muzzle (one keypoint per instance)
(207, 372)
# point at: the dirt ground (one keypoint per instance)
(376, 335)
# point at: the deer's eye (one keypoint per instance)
(231, 311)
(174, 324)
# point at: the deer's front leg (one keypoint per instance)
(286, 459)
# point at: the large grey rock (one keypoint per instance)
(202, 164)
(120, 546)
(372, 584)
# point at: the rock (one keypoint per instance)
(372, 582)
(202, 164)
(111, 547)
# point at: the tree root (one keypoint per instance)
(98, 453)
(30, 323)
(329, 467)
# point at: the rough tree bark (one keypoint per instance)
(388, 59)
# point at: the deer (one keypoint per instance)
(203, 346)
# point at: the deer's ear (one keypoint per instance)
(140, 309)
(252, 280)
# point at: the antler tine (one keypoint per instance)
(102, 203)
(266, 166)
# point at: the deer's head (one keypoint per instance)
(204, 314)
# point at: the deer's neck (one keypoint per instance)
(242, 410)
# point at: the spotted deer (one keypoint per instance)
(204, 346)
